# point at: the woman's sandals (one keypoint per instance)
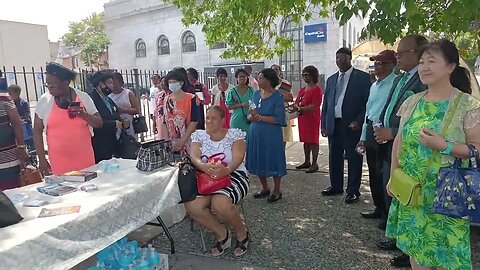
(221, 246)
(242, 246)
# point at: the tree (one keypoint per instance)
(250, 29)
(90, 36)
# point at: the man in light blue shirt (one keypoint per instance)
(379, 92)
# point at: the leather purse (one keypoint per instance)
(206, 184)
(139, 124)
(8, 213)
(30, 175)
(403, 187)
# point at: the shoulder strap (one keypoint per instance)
(449, 116)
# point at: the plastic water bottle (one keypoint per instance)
(378, 124)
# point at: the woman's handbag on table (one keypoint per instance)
(128, 146)
(187, 180)
(403, 187)
(30, 175)
(206, 184)
(139, 124)
(8, 213)
(458, 189)
(153, 155)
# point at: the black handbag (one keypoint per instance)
(187, 181)
(128, 146)
(139, 124)
(154, 155)
(8, 213)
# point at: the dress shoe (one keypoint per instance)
(351, 198)
(313, 168)
(388, 244)
(382, 225)
(401, 261)
(261, 194)
(274, 197)
(372, 214)
(330, 191)
(304, 165)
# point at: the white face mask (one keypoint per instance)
(174, 87)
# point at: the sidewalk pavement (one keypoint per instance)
(304, 230)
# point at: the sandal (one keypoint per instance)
(221, 246)
(242, 246)
(274, 197)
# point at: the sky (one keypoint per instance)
(56, 14)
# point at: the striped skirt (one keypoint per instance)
(239, 188)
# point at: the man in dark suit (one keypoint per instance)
(105, 140)
(343, 112)
(405, 85)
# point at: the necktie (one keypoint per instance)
(339, 88)
(393, 101)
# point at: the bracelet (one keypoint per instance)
(448, 150)
(260, 118)
(22, 146)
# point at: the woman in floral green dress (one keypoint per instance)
(433, 240)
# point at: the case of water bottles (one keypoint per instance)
(127, 255)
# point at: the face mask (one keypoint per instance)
(174, 87)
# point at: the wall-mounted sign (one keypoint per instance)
(315, 33)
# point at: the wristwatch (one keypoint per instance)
(448, 150)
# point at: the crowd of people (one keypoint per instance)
(398, 121)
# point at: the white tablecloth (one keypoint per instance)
(123, 203)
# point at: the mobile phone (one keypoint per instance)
(75, 104)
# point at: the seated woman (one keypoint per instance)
(231, 142)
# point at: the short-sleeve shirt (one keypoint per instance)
(45, 104)
(209, 148)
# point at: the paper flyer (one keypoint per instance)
(59, 211)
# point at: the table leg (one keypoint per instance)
(167, 232)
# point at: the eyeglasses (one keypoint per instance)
(400, 53)
(380, 63)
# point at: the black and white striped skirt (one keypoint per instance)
(239, 188)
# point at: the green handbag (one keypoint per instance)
(403, 187)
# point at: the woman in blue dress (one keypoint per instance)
(265, 152)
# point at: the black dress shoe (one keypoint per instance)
(387, 245)
(371, 214)
(351, 198)
(330, 191)
(401, 261)
(261, 194)
(303, 166)
(313, 168)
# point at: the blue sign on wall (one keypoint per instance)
(315, 33)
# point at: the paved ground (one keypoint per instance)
(304, 230)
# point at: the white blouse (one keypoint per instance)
(209, 147)
(45, 104)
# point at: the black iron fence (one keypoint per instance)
(32, 82)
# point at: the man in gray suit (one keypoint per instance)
(405, 85)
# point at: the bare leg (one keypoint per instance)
(263, 181)
(415, 266)
(199, 210)
(314, 148)
(276, 181)
(223, 205)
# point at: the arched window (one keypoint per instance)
(188, 42)
(140, 48)
(163, 46)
